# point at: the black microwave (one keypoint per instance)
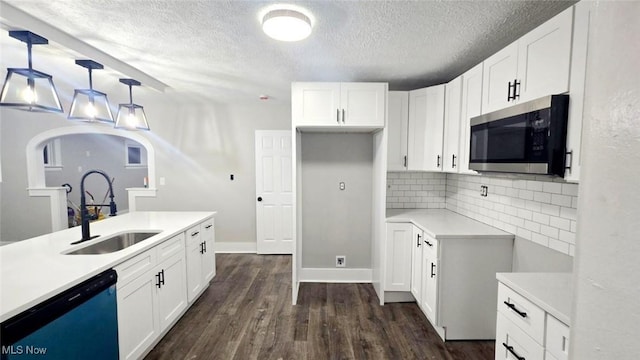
(526, 138)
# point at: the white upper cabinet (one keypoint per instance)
(397, 130)
(581, 33)
(330, 105)
(426, 125)
(535, 65)
(471, 107)
(451, 157)
(500, 70)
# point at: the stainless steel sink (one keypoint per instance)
(114, 243)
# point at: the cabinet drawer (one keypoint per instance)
(193, 235)
(207, 228)
(521, 312)
(136, 266)
(512, 342)
(557, 338)
(431, 245)
(170, 247)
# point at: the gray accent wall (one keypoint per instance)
(336, 222)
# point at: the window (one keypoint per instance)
(135, 155)
(51, 155)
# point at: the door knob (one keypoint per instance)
(259, 198)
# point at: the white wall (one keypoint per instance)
(334, 221)
(605, 322)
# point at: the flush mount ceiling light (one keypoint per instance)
(131, 116)
(89, 104)
(29, 89)
(286, 25)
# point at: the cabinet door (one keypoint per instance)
(397, 130)
(430, 268)
(137, 316)
(434, 128)
(398, 257)
(544, 56)
(451, 157)
(194, 271)
(172, 294)
(498, 70)
(417, 244)
(581, 32)
(363, 104)
(417, 129)
(315, 104)
(471, 107)
(209, 256)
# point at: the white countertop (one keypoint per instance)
(442, 224)
(35, 269)
(550, 291)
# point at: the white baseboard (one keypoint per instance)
(235, 247)
(335, 275)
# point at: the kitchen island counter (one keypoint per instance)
(36, 269)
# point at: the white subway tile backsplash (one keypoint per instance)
(541, 218)
(560, 223)
(558, 245)
(542, 197)
(551, 187)
(535, 208)
(570, 189)
(562, 200)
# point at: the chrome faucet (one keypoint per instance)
(84, 211)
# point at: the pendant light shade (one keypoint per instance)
(29, 89)
(131, 116)
(89, 104)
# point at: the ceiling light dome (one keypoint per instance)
(286, 25)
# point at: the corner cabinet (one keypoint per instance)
(426, 126)
(338, 105)
(536, 65)
(471, 106)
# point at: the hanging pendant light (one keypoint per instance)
(131, 116)
(89, 104)
(29, 89)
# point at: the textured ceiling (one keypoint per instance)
(217, 48)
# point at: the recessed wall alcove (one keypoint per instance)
(57, 195)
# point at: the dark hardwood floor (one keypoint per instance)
(246, 313)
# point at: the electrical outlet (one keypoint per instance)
(341, 261)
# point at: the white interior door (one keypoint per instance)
(274, 200)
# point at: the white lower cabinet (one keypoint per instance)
(200, 258)
(429, 298)
(417, 244)
(526, 331)
(451, 279)
(151, 301)
(153, 289)
(398, 267)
